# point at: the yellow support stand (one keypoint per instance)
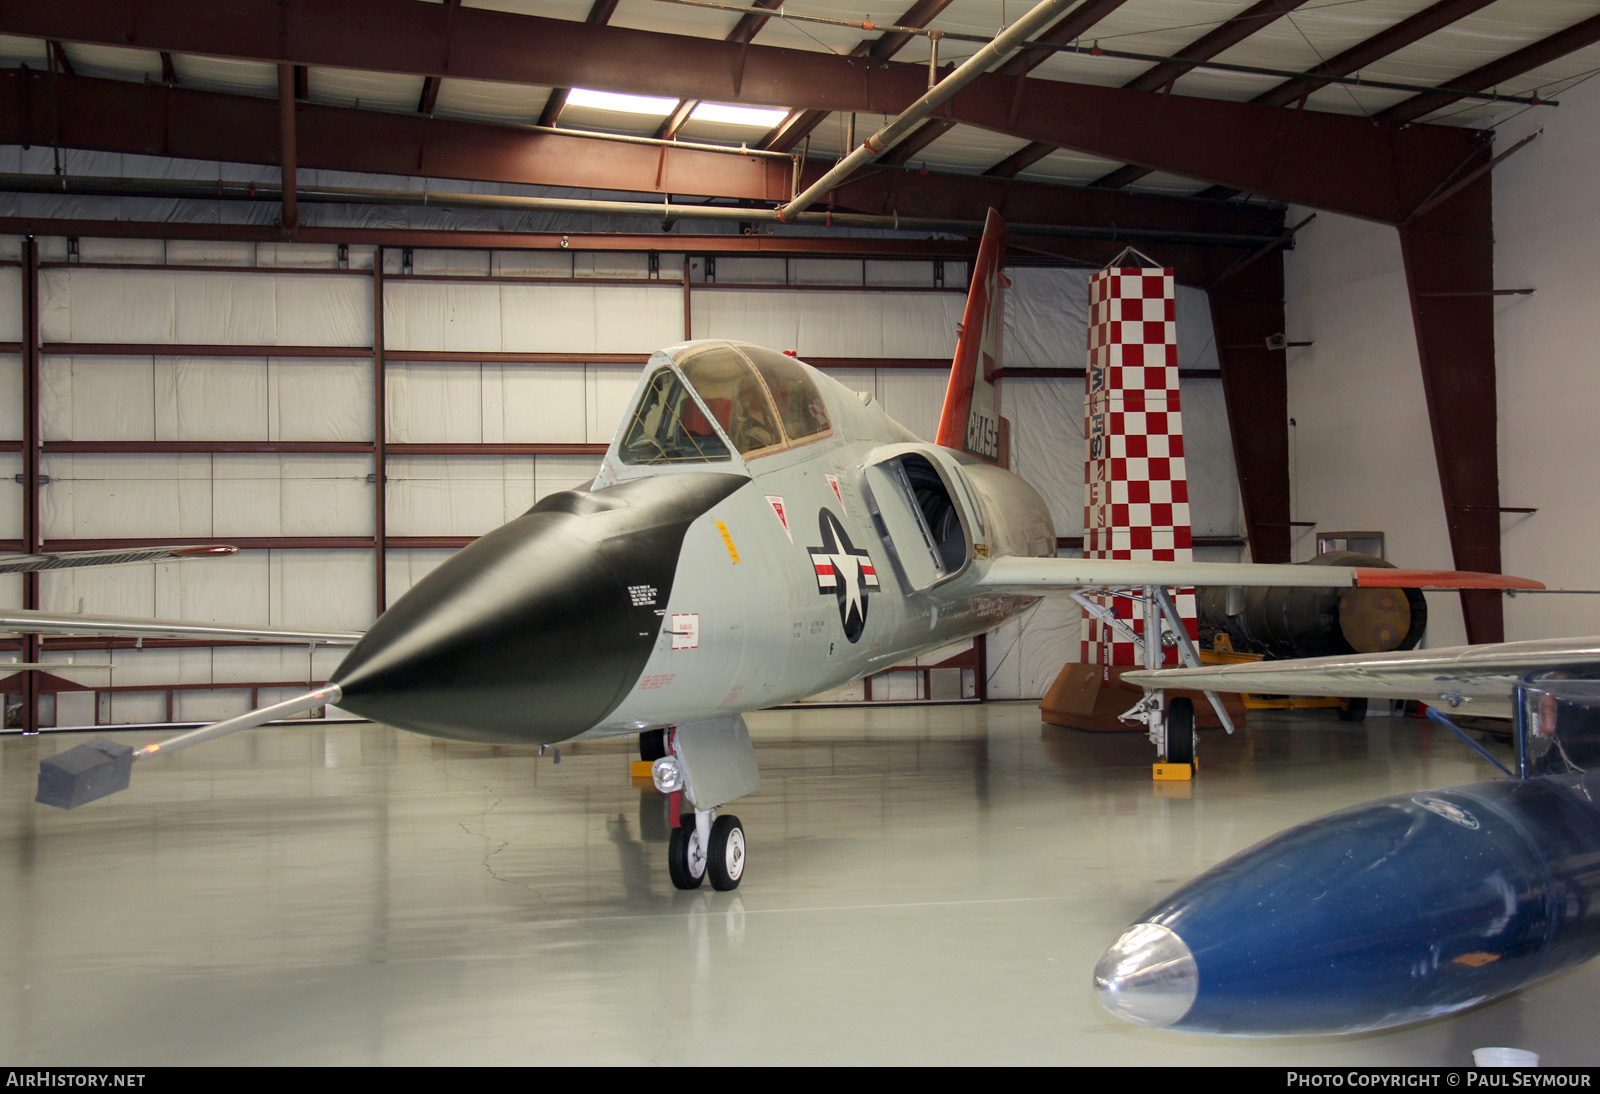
(640, 769)
(1223, 653)
(1172, 772)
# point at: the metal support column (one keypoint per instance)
(31, 533)
(1449, 262)
(688, 315)
(1247, 309)
(380, 479)
(286, 146)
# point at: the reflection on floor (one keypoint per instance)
(927, 885)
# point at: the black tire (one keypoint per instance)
(1354, 710)
(1180, 731)
(678, 857)
(652, 745)
(726, 859)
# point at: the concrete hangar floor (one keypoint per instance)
(927, 885)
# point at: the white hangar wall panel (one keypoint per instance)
(151, 398)
(206, 495)
(822, 323)
(252, 309)
(11, 293)
(1361, 453)
(293, 588)
(472, 402)
(576, 318)
(10, 390)
(1547, 237)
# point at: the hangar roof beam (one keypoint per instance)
(1328, 161)
(599, 16)
(117, 116)
(744, 31)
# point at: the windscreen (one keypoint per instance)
(669, 427)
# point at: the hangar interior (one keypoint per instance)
(267, 282)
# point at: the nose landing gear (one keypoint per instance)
(706, 846)
(710, 763)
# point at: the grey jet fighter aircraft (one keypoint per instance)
(757, 533)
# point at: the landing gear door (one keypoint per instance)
(923, 518)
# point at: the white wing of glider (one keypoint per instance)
(1473, 679)
(67, 560)
(52, 666)
(28, 621)
(1040, 576)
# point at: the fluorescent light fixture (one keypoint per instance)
(728, 114)
(622, 104)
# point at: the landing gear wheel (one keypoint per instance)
(685, 862)
(652, 745)
(1180, 731)
(725, 858)
(1354, 710)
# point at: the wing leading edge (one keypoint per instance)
(29, 621)
(1476, 679)
(1042, 576)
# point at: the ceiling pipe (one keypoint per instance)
(212, 190)
(1005, 44)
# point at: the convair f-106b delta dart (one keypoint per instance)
(757, 533)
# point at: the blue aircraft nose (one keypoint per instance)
(537, 631)
(1391, 912)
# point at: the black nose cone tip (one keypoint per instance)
(524, 636)
(536, 632)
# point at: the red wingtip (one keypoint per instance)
(1373, 577)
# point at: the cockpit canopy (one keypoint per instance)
(760, 400)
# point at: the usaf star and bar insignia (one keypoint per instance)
(846, 571)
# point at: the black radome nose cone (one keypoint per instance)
(535, 632)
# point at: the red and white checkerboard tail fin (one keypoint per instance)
(970, 421)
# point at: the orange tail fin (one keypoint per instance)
(970, 421)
